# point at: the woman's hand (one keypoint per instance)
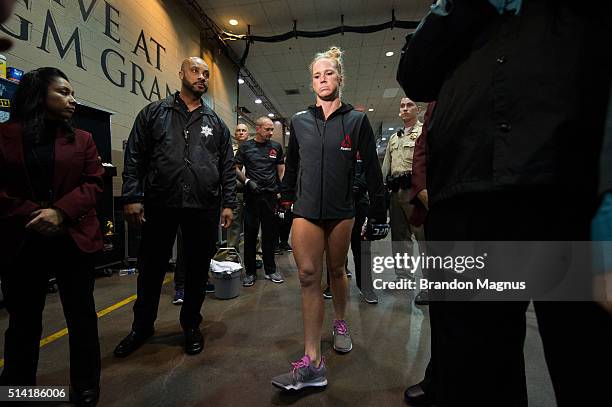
(133, 213)
(46, 221)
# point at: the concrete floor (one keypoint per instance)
(253, 337)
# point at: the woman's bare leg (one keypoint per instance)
(308, 241)
(337, 241)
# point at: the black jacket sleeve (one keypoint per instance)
(292, 165)
(605, 179)
(433, 50)
(373, 173)
(227, 169)
(135, 161)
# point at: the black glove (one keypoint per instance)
(392, 183)
(284, 210)
(374, 230)
(359, 186)
(252, 186)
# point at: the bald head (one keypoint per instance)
(194, 76)
(264, 129)
(191, 61)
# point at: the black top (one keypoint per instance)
(260, 161)
(521, 99)
(40, 163)
(321, 161)
(178, 159)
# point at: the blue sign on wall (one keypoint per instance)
(7, 89)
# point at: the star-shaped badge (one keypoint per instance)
(206, 131)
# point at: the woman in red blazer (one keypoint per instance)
(50, 174)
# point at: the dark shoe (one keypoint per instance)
(416, 396)
(87, 398)
(275, 277)
(130, 343)
(258, 264)
(248, 280)
(285, 247)
(179, 296)
(278, 250)
(210, 288)
(369, 296)
(194, 342)
(422, 298)
(327, 294)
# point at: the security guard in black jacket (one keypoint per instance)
(521, 92)
(265, 166)
(179, 165)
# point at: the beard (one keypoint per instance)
(195, 90)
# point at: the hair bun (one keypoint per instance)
(335, 52)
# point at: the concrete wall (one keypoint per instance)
(118, 55)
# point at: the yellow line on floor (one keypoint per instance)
(63, 332)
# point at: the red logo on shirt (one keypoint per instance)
(272, 153)
(346, 143)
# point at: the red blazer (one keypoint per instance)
(77, 180)
(419, 171)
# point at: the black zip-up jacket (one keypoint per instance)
(178, 159)
(320, 164)
(521, 98)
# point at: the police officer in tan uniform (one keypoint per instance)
(397, 172)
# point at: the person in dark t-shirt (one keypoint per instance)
(263, 160)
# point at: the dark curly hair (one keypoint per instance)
(30, 104)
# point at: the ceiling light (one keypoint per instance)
(384, 139)
(391, 129)
(389, 53)
(233, 21)
(287, 133)
(258, 101)
(270, 114)
(240, 81)
(370, 110)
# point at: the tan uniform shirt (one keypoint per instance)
(400, 149)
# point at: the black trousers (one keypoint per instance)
(179, 267)
(477, 347)
(259, 210)
(25, 283)
(284, 228)
(199, 232)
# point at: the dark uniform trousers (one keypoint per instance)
(199, 230)
(260, 210)
(361, 249)
(25, 283)
(284, 228)
(478, 346)
(400, 212)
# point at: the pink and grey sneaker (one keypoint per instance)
(342, 339)
(302, 374)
